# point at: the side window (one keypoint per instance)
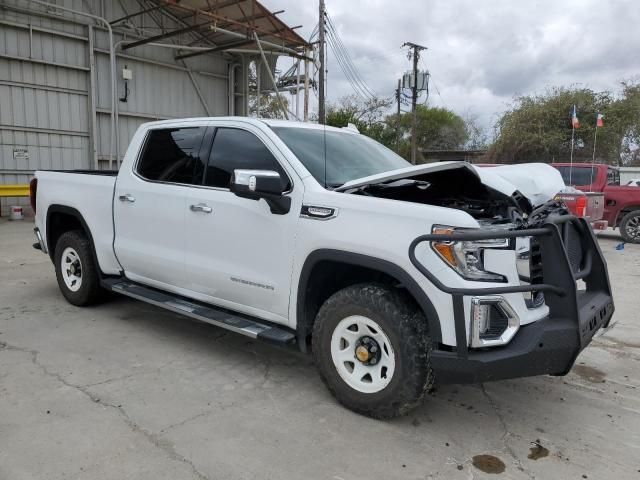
(238, 149)
(613, 177)
(171, 155)
(576, 175)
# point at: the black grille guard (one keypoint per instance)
(561, 294)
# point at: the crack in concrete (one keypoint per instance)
(506, 433)
(114, 379)
(185, 421)
(152, 438)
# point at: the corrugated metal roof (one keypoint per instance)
(222, 24)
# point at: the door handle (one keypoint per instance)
(127, 197)
(201, 207)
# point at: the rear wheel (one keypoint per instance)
(630, 227)
(76, 271)
(372, 349)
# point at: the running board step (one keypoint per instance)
(220, 317)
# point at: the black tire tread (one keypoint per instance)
(623, 227)
(90, 292)
(380, 302)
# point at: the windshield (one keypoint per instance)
(348, 156)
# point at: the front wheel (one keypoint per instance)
(630, 227)
(372, 348)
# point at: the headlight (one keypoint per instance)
(467, 257)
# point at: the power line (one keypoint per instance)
(362, 93)
(342, 52)
(438, 91)
(348, 72)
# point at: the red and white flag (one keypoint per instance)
(599, 120)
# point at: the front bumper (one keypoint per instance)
(570, 253)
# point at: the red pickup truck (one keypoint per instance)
(621, 202)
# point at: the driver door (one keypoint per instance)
(239, 254)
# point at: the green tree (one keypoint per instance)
(366, 115)
(438, 128)
(538, 127)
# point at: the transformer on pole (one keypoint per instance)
(416, 83)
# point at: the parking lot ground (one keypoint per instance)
(129, 391)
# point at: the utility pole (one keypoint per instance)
(321, 26)
(398, 97)
(414, 98)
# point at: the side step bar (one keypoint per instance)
(217, 316)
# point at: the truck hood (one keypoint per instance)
(538, 182)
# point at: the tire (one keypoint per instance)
(78, 277)
(630, 227)
(400, 334)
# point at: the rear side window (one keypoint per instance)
(238, 149)
(172, 155)
(577, 175)
(613, 176)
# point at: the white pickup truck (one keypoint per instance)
(393, 275)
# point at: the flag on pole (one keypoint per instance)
(574, 118)
(599, 120)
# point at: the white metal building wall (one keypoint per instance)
(48, 100)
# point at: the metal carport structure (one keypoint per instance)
(62, 89)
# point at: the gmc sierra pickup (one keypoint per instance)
(392, 275)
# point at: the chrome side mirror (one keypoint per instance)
(257, 184)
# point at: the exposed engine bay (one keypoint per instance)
(462, 189)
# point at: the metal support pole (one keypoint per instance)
(92, 100)
(414, 100)
(398, 95)
(273, 80)
(321, 99)
(231, 89)
(306, 89)
(298, 90)
(245, 77)
(258, 89)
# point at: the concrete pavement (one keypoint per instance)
(126, 390)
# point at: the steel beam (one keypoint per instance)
(141, 12)
(162, 36)
(219, 48)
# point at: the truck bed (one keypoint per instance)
(90, 193)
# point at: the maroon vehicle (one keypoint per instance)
(621, 202)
